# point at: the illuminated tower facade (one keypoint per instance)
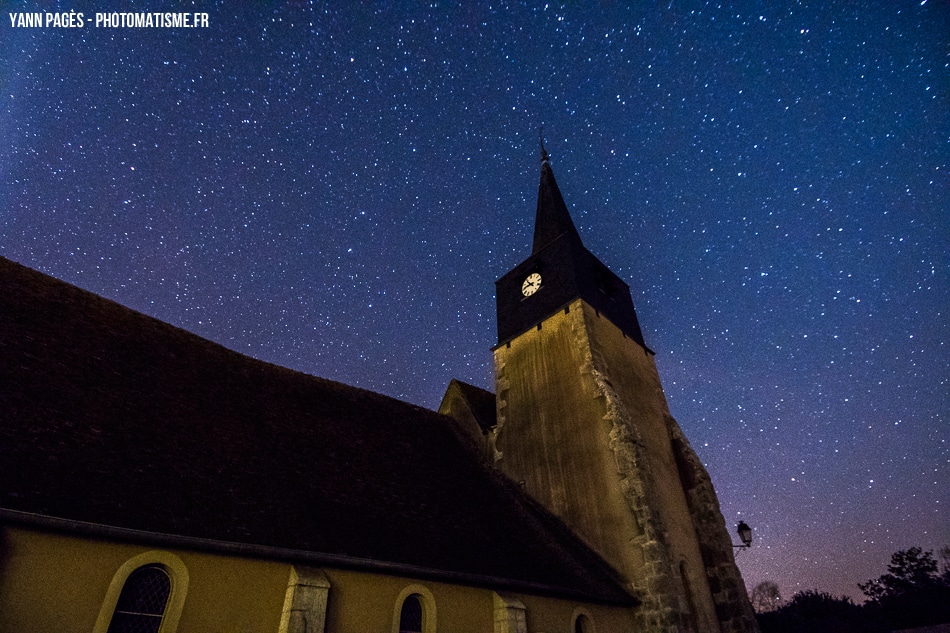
(583, 425)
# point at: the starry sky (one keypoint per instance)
(336, 187)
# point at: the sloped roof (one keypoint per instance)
(479, 403)
(111, 417)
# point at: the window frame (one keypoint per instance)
(583, 617)
(177, 574)
(426, 599)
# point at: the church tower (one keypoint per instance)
(583, 425)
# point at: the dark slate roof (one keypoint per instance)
(113, 418)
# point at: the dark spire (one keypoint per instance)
(566, 269)
(552, 219)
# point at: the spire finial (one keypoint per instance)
(544, 152)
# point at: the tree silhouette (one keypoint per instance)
(910, 570)
(818, 612)
(912, 593)
(915, 592)
(944, 553)
(765, 597)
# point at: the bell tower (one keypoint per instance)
(583, 425)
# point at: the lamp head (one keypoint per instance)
(745, 533)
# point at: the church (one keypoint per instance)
(154, 481)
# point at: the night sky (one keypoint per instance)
(335, 188)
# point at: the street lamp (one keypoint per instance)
(745, 535)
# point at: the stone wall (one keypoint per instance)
(583, 425)
(733, 608)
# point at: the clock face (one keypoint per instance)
(531, 284)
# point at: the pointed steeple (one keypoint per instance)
(552, 219)
(558, 271)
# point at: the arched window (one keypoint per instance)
(141, 605)
(583, 622)
(146, 595)
(414, 611)
(410, 616)
(580, 624)
(690, 604)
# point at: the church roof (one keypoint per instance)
(113, 418)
